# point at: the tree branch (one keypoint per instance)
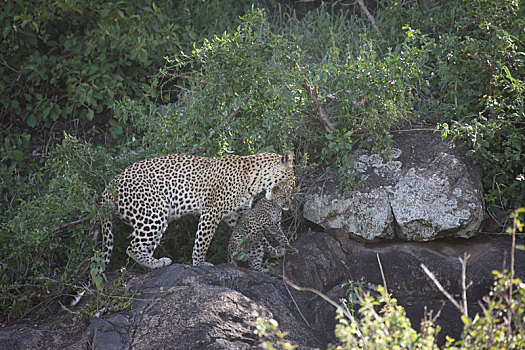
(230, 117)
(382, 273)
(71, 223)
(321, 116)
(463, 261)
(370, 17)
(443, 290)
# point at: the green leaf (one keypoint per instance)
(17, 155)
(116, 130)
(90, 114)
(6, 31)
(31, 120)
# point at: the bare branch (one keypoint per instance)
(322, 116)
(382, 273)
(370, 17)
(71, 223)
(464, 287)
(325, 297)
(440, 287)
(315, 291)
(293, 299)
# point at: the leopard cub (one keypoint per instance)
(248, 243)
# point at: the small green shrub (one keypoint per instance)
(271, 337)
(46, 244)
(382, 324)
(109, 299)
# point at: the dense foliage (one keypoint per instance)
(383, 324)
(90, 87)
(65, 66)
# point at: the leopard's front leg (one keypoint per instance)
(279, 235)
(207, 225)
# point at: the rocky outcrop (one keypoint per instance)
(423, 190)
(183, 307)
(327, 260)
(216, 307)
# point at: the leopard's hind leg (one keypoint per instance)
(255, 257)
(146, 238)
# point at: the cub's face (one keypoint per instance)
(282, 195)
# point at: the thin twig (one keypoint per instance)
(382, 273)
(464, 287)
(63, 307)
(71, 223)
(370, 17)
(513, 247)
(440, 287)
(315, 291)
(416, 129)
(293, 299)
(322, 116)
(230, 117)
(330, 301)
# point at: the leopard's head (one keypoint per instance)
(282, 172)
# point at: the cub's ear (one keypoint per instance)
(276, 189)
(288, 159)
(296, 190)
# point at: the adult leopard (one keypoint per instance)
(150, 193)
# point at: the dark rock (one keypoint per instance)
(217, 307)
(401, 262)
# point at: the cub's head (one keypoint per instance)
(282, 195)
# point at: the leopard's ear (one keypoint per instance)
(288, 159)
(276, 189)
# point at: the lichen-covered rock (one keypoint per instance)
(424, 189)
(367, 214)
(437, 208)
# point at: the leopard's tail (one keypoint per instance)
(107, 240)
(107, 248)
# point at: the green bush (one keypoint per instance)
(472, 82)
(237, 97)
(49, 239)
(251, 90)
(383, 324)
(71, 60)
